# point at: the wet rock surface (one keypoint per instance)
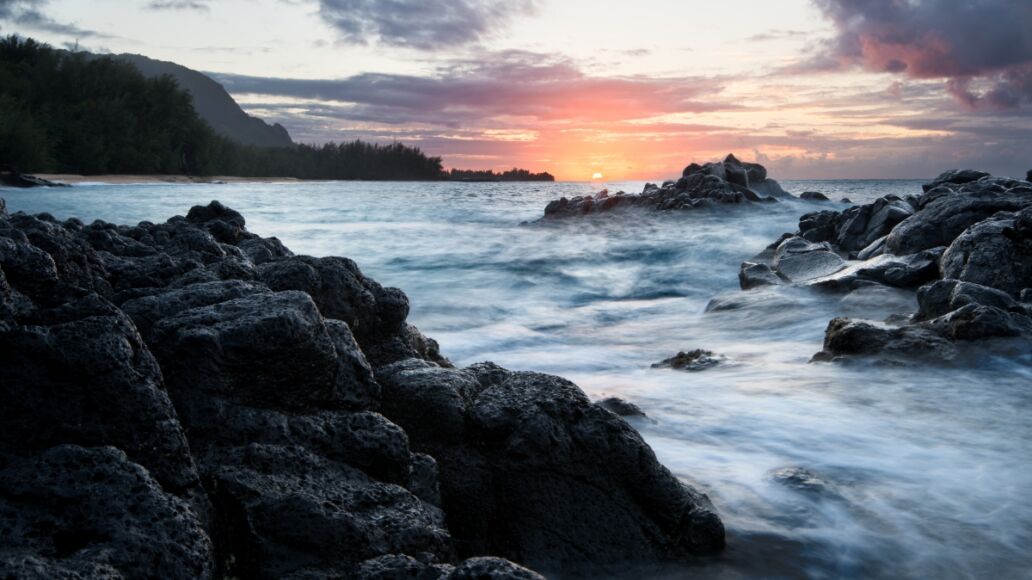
(693, 360)
(701, 186)
(509, 443)
(187, 399)
(965, 244)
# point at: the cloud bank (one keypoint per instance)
(983, 48)
(420, 24)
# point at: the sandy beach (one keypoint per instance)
(179, 179)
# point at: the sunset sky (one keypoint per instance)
(811, 88)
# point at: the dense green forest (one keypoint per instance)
(489, 175)
(67, 112)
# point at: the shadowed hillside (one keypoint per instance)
(214, 104)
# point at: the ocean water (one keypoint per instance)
(927, 469)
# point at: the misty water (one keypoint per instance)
(927, 468)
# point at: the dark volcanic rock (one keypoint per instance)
(753, 275)
(621, 407)
(189, 400)
(25, 181)
(286, 510)
(945, 217)
(813, 196)
(996, 252)
(701, 186)
(695, 360)
(76, 512)
(258, 350)
(846, 338)
(533, 471)
(855, 228)
(81, 374)
(955, 177)
(799, 260)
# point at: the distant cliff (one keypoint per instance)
(214, 104)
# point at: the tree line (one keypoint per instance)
(67, 112)
(513, 174)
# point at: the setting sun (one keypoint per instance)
(597, 175)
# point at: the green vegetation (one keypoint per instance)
(511, 175)
(64, 112)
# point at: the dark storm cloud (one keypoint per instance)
(201, 5)
(29, 13)
(422, 24)
(982, 47)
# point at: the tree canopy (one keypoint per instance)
(70, 112)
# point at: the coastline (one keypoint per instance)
(73, 179)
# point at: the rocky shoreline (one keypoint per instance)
(964, 245)
(190, 400)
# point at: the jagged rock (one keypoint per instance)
(896, 271)
(799, 260)
(492, 569)
(996, 252)
(956, 177)
(724, 182)
(375, 314)
(1028, 175)
(801, 479)
(531, 470)
(621, 407)
(857, 227)
(753, 275)
(944, 218)
(695, 360)
(287, 510)
(400, 566)
(846, 338)
(80, 373)
(945, 296)
(257, 350)
(262, 360)
(813, 196)
(76, 512)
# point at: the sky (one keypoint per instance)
(855, 89)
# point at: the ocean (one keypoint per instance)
(926, 469)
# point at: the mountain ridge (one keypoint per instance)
(214, 104)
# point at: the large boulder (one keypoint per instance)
(533, 471)
(90, 512)
(272, 350)
(847, 338)
(798, 260)
(81, 374)
(955, 177)
(288, 511)
(996, 252)
(943, 219)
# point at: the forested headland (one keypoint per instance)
(72, 112)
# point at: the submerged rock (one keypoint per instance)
(695, 360)
(753, 275)
(621, 407)
(801, 479)
(813, 196)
